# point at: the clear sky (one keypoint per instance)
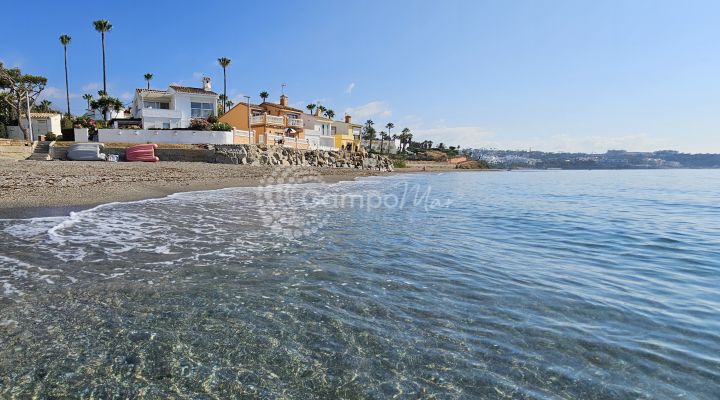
(548, 75)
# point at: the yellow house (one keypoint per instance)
(347, 134)
(272, 123)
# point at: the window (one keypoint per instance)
(157, 105)
(166, 125)
(201, 110)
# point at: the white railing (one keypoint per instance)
(268, 119)
(295, 122)
(271, 119)
(159, 113)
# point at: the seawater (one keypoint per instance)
(543, 285)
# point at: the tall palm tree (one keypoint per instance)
(88, 97)
(102, 26)
(369, 131)
(404, 138)
(310, 107)
(330, 113)
(65, 41)
(389, 126)
(224, 62)
(148, 78)
(264, 95)
(383, 134)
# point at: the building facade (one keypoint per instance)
(175, 107)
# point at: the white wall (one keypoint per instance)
(164, 136)
(181, 102)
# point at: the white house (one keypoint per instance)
(174, 107)
(319, 131)
(42, 124)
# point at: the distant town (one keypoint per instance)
(612, 159)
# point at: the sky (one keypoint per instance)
(552, 75)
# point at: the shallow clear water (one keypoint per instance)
(558, 284)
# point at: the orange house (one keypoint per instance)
(272, 123)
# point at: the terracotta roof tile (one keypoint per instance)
(186, 89)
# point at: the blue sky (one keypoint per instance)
(549, 75)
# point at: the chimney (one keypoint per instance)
(283, 100)
(317, 112)
(348, 119)
(207, 83)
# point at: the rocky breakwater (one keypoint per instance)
(280, 155)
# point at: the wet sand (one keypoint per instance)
(48, 188)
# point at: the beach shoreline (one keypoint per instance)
(30, 189)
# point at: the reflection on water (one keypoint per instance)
(528, 285)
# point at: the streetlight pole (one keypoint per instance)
(247, 98)
(27, 100)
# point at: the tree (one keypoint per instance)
(224, 62)
(322, 109)
(264, 95)
(103, 26)
(45, 106)
(148, 78)
(19, 89)
(310, 107)
(441, 146)
(329, 113)
(106, 103)
(65, 41)
(88, 97)
(383, 135)
(405, 138)
(369, 132)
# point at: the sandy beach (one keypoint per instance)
(29, 188)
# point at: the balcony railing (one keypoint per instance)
(295, 122)
(159, 113)
(267, 119)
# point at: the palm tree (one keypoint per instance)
(229, 103)
(329, 113)
(382, 140)
(310, 107)
(369, 131)
(88, 97)
(322, 109)
(44, 106)
(224, 62)
(404, 138)
(148, 78)
(389, 126)
(103, 26)
(264, 95)
(65, 41)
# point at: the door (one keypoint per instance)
(40, 127)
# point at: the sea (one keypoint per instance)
(467, 285)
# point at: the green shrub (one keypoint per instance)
(50, 137)
(221, 126)
(212, 119)
(399, 164)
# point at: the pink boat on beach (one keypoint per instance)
(142, 152)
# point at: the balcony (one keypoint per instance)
(267, 120)
(295, 123)
(159, 113)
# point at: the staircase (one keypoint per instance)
(41, 152)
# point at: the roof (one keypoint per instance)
(140, 90)
(281, 106)
(41, 114)
(186, 89)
